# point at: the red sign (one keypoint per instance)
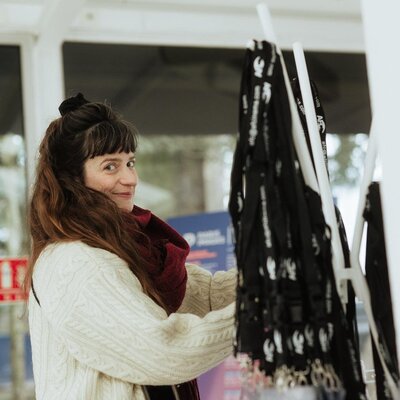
(12, 274)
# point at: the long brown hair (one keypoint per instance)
(63, 209)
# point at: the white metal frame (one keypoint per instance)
(210, 23)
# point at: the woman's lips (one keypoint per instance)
(126, 195)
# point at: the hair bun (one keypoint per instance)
(72, 104)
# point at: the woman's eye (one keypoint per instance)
(131, 164)
(110, 167)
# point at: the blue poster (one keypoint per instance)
(210, 239)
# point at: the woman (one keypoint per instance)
(114, 313)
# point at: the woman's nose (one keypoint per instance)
(129, 177)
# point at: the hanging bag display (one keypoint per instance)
(377, 274)
(289, 317)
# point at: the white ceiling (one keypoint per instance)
(330, 25)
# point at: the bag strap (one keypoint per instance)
(34, 294)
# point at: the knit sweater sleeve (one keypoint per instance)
(206, 292)
(97, 307)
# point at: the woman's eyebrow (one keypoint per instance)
(116, 159)
(111, 159)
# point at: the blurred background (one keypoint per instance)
(173, 68)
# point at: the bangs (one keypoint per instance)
(108, 137)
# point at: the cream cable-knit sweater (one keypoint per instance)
(97, 336)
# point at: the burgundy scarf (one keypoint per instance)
(166, 250)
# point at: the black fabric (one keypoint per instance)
(186, 391)
(159, 392)
(289, 316)
(377, 275)
(322, 123)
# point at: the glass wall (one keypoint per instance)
(184, 102)
(182, 175)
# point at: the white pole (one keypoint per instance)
(266, 23)
(322, 174)
(42, 72)
(297, 129)
(369, 167)
(43, 91)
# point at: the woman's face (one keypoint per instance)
(114, 175)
